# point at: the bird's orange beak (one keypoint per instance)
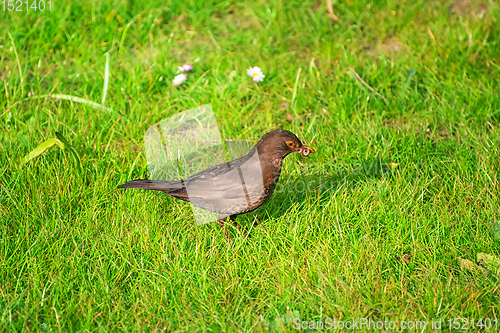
(309, 148)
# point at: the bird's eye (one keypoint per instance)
(290, 144)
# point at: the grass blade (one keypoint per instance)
(124, 34)
(18, 63)
(41, 149)
(295, 86)
(106, 79)
(73, 99)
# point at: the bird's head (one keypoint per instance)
(282, 143)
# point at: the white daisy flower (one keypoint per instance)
(256, 74)
(185, 68)
(179, 79)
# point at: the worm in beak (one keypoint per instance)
(305, 150)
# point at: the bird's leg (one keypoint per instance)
(233, 218)
(221, 221)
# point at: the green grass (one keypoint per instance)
(79, 255)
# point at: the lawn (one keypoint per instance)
(400, 100)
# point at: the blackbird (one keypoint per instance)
(235, 187)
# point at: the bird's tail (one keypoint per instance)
(154, 185)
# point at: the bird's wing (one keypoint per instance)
(236, 180)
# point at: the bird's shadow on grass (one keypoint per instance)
(319, 181)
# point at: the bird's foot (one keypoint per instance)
(228, 237)
(246, 235)
(222, 222)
